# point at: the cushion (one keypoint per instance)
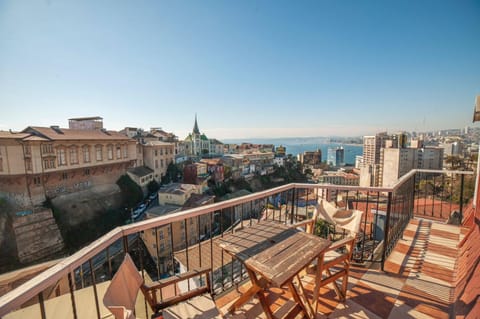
(200, 307)
(121, 294)
(348, 219)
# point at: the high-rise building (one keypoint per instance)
(397, 162)
(358, 161)
(369, 172)
(336, 156)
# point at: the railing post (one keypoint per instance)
(462, 180)
(292, 207)
(413, 196)
(387, 225)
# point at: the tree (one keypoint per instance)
(132, 192)
(173, 174)
(455, 162)
(153, 186)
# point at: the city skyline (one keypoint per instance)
(248, 70)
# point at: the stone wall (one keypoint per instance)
(37, 236)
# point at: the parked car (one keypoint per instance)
(153, 196)
(139, 210)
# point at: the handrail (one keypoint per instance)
(31, 288)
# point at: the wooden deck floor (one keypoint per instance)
(417, 282)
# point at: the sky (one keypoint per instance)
(246, 68)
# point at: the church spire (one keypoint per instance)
(195, 127)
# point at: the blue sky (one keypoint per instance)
(247, 68)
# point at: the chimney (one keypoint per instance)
(105, 131)
(57, 129)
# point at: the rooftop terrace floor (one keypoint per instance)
(417, 282)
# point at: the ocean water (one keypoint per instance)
(350, 150)
(296, 146)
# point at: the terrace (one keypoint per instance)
(408, 263)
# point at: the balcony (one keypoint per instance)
(407, 262)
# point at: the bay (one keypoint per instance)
(297, 146)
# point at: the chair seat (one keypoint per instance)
(200, 307)
(331, 256)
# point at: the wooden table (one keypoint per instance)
(273, 254)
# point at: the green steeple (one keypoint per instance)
(195, 127)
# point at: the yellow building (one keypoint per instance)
(43, 162)
(176, 193)
(158, 155)
(159, 241)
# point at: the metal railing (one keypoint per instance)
(177, 242)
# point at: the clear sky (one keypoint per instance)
(247, 68)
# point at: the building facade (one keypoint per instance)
(199, 145)
(369, 171)
(336, 156)
(44, 162)
(157, 156)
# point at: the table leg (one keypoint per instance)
(261, 296)
(297, 299)
(305, 301)
(244, 298)
(318, 281)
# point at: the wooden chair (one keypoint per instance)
(197, 302)
(335, 263)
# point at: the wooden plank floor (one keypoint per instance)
(416, 282)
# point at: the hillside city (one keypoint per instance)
(62, 188)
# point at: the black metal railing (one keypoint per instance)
(166, 245)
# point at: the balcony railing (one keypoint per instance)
(177, 242)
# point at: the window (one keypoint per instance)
(48, 163)
(156, 163)
(161, 163)
(161, 235)
(28, 164)
(110, 152)
(162, 247)
(28, 150)
(64, 176)
(86, 171)
(161, 151)
(61, 157)
(47, 148)
(119, 152)
(36, 180)
(1, 164)
(156, 152)
(73, 155)
(125, 151)
(86, 154)
(98, 152)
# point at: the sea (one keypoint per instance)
(297, 146)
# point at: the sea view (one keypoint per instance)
(297, 146)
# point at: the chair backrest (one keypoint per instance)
(122, 292)
(347, 219)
